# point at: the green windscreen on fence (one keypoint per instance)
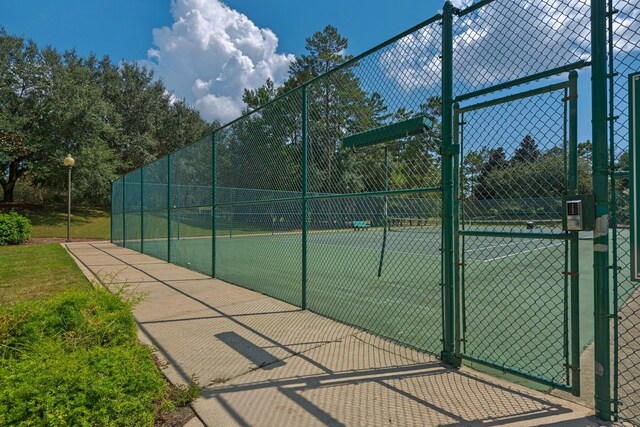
(191, 211)
(133, 211)
(155, 201)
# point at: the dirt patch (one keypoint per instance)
(177, 418)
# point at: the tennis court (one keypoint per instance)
(437, 204)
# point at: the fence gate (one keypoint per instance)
(517, 287)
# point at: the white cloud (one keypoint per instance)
(211, 53)
(461, 4)
(506, 40)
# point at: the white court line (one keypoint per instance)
(523, 252)
(493, 246)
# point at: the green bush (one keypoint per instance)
(74, 360)
(14, 229)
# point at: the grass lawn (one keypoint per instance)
(51, 222)
(69, 353)
(33, 271)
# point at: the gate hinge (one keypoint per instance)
(571, 273)
(613, 118)
(570, 97)
(460, 264)
(462, 123)
(570, 366)
(615, 74)
(612, 12)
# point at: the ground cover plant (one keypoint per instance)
(69, 354)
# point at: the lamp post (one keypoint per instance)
(69, 162)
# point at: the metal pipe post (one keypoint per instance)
(168, 207)
(124, 215)
(448, 157)
(573, 240)
(142, 210)
(305, 221)
(111, 211)
(69, 204)
(214, 178)
(601, 197)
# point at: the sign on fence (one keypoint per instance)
(634, 145)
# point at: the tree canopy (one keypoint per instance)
(111, 117)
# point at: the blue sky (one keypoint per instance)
(122, 29)
(201, 48)
(207, 51)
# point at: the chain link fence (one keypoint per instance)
(447, 236)
(624, 59)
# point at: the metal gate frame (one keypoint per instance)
(571, 276)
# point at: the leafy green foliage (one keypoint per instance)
(73, 359)
(14, 229)
(111, 117)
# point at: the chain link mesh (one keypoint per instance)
(507, 40)
(132, 210)
(514, 175)
(155, 208)
(117, 209)
(371, 217)
(625, 44)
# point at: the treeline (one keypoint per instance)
(264, 149)
(111, 117)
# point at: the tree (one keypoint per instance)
(496, 161)
(112, 118)
(25, 77)
(527, 151)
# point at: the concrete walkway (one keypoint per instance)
(264, 362)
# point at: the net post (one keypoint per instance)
(142, 210)
(600, 193)
(168, 207)
(305, 120)
(448, 350)
(573, 240)
(214, 178)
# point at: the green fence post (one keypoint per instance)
(304, 196)
(111, 212)
(456, 226)
(168, 207)
(142, 210)
(573, 240)
(124, 215)
(214, 178)
(448, 157)
(600, 193)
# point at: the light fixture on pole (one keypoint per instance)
(69, 162)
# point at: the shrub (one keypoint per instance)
(73, 359)
(14, 229)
